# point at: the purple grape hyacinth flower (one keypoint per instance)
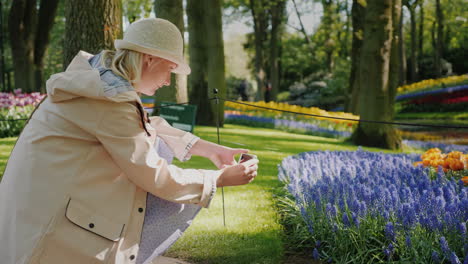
(389, 231)
(315, 254)
(444, 245)
(435, 257)
(454, 259)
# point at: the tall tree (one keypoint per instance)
(421, 29)
(260, 19)
(352, 99)
(411, 5)
(439, 41)
(329, 19)
(173, 11)
(402, 50)
(29, 30)
(91, 26)
(277, 16)
(344, 50)
(206, 51)
(375, 89)
(395, 56)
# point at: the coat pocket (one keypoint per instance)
(81, 236)
(78, 214)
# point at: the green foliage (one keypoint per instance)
(136, 9)
(297, 236)
(455, 37)
(53, 59)
(297, 61)
(337, 85)
(232, 84)
(14, 128)
(283, 96)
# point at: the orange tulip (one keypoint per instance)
(465, 180)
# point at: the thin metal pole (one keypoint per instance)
(215, 91)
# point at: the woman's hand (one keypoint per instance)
(221, 156)
(224, 156)
(238, 174)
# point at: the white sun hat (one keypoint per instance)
(157, 37)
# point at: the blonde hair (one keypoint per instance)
(124, 62)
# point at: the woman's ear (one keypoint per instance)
(147, 59)
(151, 60)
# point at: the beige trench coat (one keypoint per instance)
(74, 189)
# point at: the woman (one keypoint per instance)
(75, 186)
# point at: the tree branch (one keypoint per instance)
(300, 22)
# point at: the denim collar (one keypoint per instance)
(113, 84)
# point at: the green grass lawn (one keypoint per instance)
(252, 233)
(6, 144)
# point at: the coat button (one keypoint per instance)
(91, 225)
(140, 210)
(132, 257)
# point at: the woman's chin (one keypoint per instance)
(149, 92)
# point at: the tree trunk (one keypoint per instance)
(357, 12)
(197, 80)
(173, 11)
(327, 21)
(375, 88)
(260, 26)
(215, 53)
(47, 12)
(413, 65)
(21, 23)
(345, 44)
(439, 40)
(206, 51)
(421, 29)
(395, 56)
(277, 13)
(91, 26)
(402, 52)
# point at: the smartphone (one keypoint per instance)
(245, 157)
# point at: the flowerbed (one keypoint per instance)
(430, 84)
(435, 95)
(425, 145)
(255, 116)
(365, 207)
(284, 125)
(445, 137)
(256, 110)
(14, 108)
